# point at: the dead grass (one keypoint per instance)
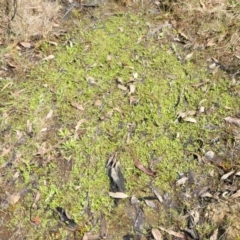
(23, 19)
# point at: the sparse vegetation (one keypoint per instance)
(136, 82)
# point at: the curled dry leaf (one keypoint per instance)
(119, 195)
(232, 120)
(79, 123)
(156, 234)
(143, 168)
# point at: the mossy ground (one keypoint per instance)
(96, 68)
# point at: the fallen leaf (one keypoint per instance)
(156, 234)
(103, 226)
(225, 176)
(159, 197)
(6, 85)
(119, 195)
(98, 103)
(151, 204)
(26, 44)
(122, 87)
(50, 57)
(13, 198)
(215, 235)
(188, 56)
(173, 233)
(77, 106)
(79, 123)
(190, 119)
(143, 168)
(235, 121)
(181, 181)
(235, 195)
(37, 198)
(49, 115)
(132, 88)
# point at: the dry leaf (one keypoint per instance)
(143, 168)
(14, 198)
(190, 119)
(49, 115)
(159, 197)
(237, 194)
(103, 226)
(189, 56)
(156, 234)
(98, 103)
(50, 57)
(6, 85)
(215, 235)
(37, 198)
(26, 44)
(235, 121)
(77, 106)
(151, 204)
(122, 87)
(225, 176)
(132, 88)
(181, 181)
(173, 233)
(79, 123)
(118, 195)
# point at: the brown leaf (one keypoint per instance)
(37, 198)
(156, 234)
(77, 106)
(173, 233)
(26, 44)
(98, 103)
(103, 226)
(143, 168)
(13, 198)
(235, 121)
